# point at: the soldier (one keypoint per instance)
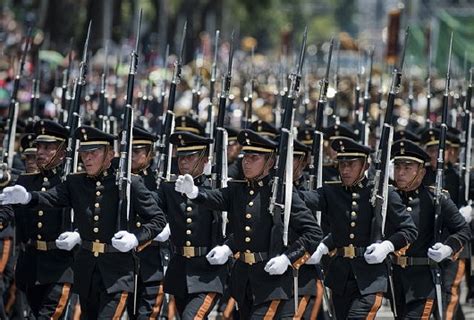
(234, 160)
(261, 284)
(28, 152)
(264, 128)
(104, 265)
(149, 288)
(414, 286)
(356, 274)
(44, 267)
(195, 284)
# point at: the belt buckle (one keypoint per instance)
(249, 258)
(349, 252)
(189, 252)
(41, 245)
(98, 247)
(402, 261)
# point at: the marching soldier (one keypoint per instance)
(260, 284)
(149, 288)
(28, 152)
(44, 268)
(356, 274)
(104, 265)
(414, 287)
(195, 284)
(234, 160)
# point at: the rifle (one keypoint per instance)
(35, 90)
(220, 147)
(282, 188)
(364, 117)
(439, 179)
(248, 100)
(70, 163)
(210, 106)
(113, 102)
(123, 176)
(428, 123)
(465, 158)
(196, 91)
(104, 124)
(65, 97)
(379, 197)
(165, 147)
(10, 125)
(161, 99)
(333, 100)
(357, 91)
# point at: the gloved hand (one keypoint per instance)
(185, 184)
(466, 212)
(277, 265)
(377, 252)
(124, 241)
(438, 252)
(14, 195)
(68, 240)
(219, 255)
(164, 234)
(318, 254)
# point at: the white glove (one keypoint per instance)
(438, 252)
(318, 254)
(164, 234)
(377, 252)
(219, 255)
(185, 184)
(466, 212)
(277, 265)
(14, 195)
(124, 241)
(68, 240)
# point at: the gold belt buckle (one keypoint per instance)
(41, 245)
(189, 252)
(349, 252)
(402, 261)
(249, 258)
(98, 247)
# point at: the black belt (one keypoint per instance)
(42, 245)
(350, 252)
(191, 252)
(98, 247)
(253, 257)
(404, 261)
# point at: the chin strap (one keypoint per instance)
(410, 184)
(262, 174)
(54, 161)
(147, 162)
(103, 167)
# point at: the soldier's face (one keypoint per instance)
(45, 153)
(256, 164)
(351, 170)
(30, 163)
(95, 160)
(452, 154)
(192, 164)
(233, 151)
(408, 175)
(140, 158)
(299, 164)
(433, 153)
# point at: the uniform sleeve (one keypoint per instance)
(316, 201)
(217, 199)
(404, 230)
(6, 216)
(452, 219)
(56, 197)
(145, 205)
(304, 224)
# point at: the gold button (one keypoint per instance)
(247, 228)
(97, 193)
(40, 213)
(351, 236)
(188, 232)
(39, 237)
(247, 239)
(188, 243)
(40, 225)
(95, 230)
(96, 254)
(410, 198)
(248, 251)
(354, 203)
(353, 213)
(409, 209)
(189, 220)
(248, 216)
(354, 195)
(45, 179)
(189, 209)
(251, 192)
(96, 218)
(138, 224)
(43, 189)
(96, 205)
(97, 183)
(97, 240)
(353, 224)
(250, 203)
